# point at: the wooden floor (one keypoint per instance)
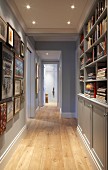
(51, 143)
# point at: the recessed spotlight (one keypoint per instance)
(68, 22)
(33, 22)
(46, 53)
(72, 6)
(28, 6)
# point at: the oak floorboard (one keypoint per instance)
(51, 143)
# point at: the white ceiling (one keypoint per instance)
(51, 17)
(52, 55)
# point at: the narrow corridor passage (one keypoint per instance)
(51, 143)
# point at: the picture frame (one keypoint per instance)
(17, 104)
(17, 88)
(19, 67)
(6, 76)
(3, 117)
(10, 110)
(3, 30)
(22, 49)
(17, 42)
(10, 35)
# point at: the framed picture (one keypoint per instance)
(3, 30)
(22, 50)
(17, 104)
(17, 87)
(6, 76)
(10, 34)
(19, 67)
(3, 113)
(17, 42)
(10, 110)
(22, 86)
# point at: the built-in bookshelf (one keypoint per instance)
(93, 54)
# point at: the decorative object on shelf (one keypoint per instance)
(19, 67)
(90, 90)
(10, 110)
(17, 90)
(6, 76)
(3, 118)
(22, 50)
(10, 34)
(3, 30)
(22, 86)
(17, 43)
(17, 104)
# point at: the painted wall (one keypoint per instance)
(68, 72)
(16, 126)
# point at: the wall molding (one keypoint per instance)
(5, 157)
(67, 114)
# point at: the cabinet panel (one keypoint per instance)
(87, 121)
(80, 112)
(99, 134)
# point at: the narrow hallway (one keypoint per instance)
(51, 142)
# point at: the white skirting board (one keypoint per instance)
(5, 157)
(68, 115)
(89, 152)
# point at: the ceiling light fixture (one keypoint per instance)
(68, 22)
(33, 22)
(28, 7)
(72, 6)
(46, 53)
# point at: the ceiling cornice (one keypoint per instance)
(14, 9)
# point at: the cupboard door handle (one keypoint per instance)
(104, 115)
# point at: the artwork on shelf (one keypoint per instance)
(3, 30)
(10, 35)
(19, 67)
(3, 118)
(17, 87)
(17, 42)
(10, 110)
(17, 104)
(22, 50)
(6, 76)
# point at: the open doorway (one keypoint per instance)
(50, 84)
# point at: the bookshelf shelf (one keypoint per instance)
(102, 16)
(100, 39)
(93, 45)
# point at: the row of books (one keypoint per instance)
(91, 76)
(101, 74)
(99, 9)
(100, 30)
(82, 62)
(102, 94)
(81, 38)
(81, 78)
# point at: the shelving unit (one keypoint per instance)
(93, 83)
(93, 51)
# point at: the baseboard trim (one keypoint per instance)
(5, 157)
(68, 114)
(88, 150)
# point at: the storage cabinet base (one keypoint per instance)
(89, 152)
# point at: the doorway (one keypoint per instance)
(50, 84)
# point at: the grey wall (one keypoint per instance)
(68, 71)
(18, 122)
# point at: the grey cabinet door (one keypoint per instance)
(98, 132)
(87, 121)
(80, 112)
